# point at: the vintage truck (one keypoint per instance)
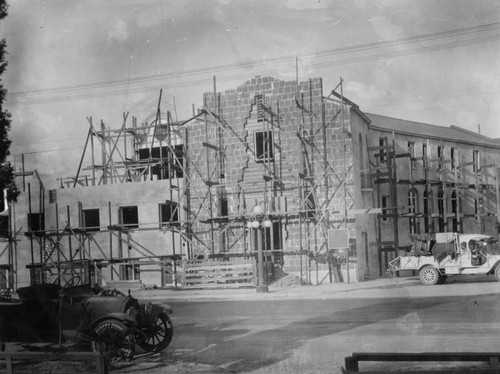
(436, 256)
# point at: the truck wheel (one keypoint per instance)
(429, 275)
(497, 272)
(114, 341)
(158, 335)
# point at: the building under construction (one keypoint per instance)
(292, 169)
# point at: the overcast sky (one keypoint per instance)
(433, 61)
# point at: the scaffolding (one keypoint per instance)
(454, 180)
(322, 191)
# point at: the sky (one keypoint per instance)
(431, 61)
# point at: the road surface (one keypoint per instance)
(314, 335)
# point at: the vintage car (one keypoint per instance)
(81, 315)
(437, 256)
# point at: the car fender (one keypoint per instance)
(122, 317)
(441, 271)
(430, 265)
(492, 270)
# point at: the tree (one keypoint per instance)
(6, 171)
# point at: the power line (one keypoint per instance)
(356, 48)
(43, 96)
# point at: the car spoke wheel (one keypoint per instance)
(429, 275)
(158, 334)
(114, 341)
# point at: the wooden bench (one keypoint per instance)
(491, 358)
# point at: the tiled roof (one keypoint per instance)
(453, 133)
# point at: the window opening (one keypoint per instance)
(169, 214)
(427, 209)
(91, 221)
(441, 210)
(310, 205)
(475, 161)
(264, 145)
(224, 208)
(412, 209)
(273, 238)
(382, 142)
(440, 150)
(385, 211)
(36, 222)
(165, 164)
(454, 206)
(130, 272)
(453, 156)
(129, 216)
(411, 151)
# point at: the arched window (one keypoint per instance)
(413, 210)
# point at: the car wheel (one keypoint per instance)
(114, 341)
(497, 272)
(429, 275)
(158, 334)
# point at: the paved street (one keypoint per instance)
(311, 329)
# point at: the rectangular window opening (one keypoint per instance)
(169, 214)
(130, 272)
(91, 220)
(411, 151)
(382, 142)
(273, 237)
(129, 216)
(36, 222)
(424, 155)
(167, 162)
(264, 145)
(440, 151)
(476, 161)
(453, 156)
(385, 205)
(224, 207)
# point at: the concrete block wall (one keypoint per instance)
(326, 135)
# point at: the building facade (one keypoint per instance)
(282, 166)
